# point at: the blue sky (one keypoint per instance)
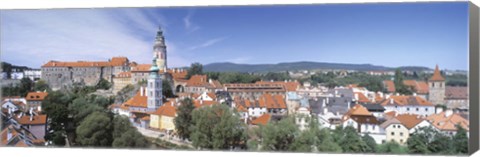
(389, 34)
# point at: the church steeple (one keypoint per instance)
(160, 49)
(437, 76)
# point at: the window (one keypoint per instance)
(417, 109)
(408, 109)
(401, 140)
(393, 133)
(426, 109)
(433, 84)
(401, 133)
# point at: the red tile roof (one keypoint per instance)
(138, 100)
(262, 120)
(288, 85)
(362, 98)
(406, 100)
(36, 120)
(447, 123)
(436, 75)
(36, 96)
(409, 120)
(419, 87)
(115, 61)
(456, 92)
(166, 110)
(141, 68)
(389, 85)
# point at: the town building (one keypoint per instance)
(254, 91)
(408, 104)
(436, 86)
(199, 84)
(456, 98)
(59, 74)
(33, 74)
(35, 99)
(163, 118)
(399, 127)
(364, 122)
(446, 121)
(121, 80)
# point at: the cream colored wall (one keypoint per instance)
(155, 121)
(397, 133)
(167, 123)
(119, 83)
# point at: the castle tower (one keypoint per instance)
(436, 87)
(154, 88)
(160, 50)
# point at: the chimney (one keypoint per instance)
(396, 113)
(39, 108)
(348, 105)
(210, 80)
(141, 91)
(31, 117)
(414, 94)
(391, 101)
(438, 110)
(398, 94)
(356, 96)
(448, 112)
(285, 81)
(271, 80)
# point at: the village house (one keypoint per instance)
(267, 103)
(399, 127)
(199, 84)
(446, 121)
(364, 122)
(408, 104)
(121, 80)
(34, 100)
(163, 117)
(254, 91)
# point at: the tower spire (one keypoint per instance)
(437, 76)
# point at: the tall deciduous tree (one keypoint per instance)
(217, 127)
(183, 120)
(195, 69)
(392, 147)
(95, 130)
(279, 135)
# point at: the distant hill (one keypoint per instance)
(7, 67)
(226, 66)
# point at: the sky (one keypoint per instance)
(387, 34)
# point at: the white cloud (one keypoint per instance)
(33, 37)
(207, 43)
(189, 26)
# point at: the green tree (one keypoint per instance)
(216, 127)
(130, 139)
(95, 130)
(349, 140)
(392, 147)
(103, 84)
(277, 136)
(460, 141)
(420, 140)
(183, 120)
(26, 85)
(399, 86)
(195, 69)
(327, 143)
(125, 135)
(41, 85)
(372, 145)
(167, 90)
